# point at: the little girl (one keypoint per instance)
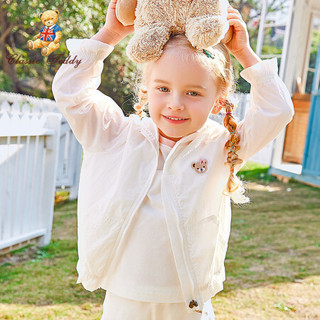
(154, 197)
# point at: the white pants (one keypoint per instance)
(118, 308)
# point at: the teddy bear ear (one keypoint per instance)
(40, 15)
(56, 11)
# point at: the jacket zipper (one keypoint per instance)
(186, 261)
(130, 216)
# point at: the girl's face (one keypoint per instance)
(181, 94)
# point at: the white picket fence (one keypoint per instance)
(38, 155)
(70, 151)
(28, 165)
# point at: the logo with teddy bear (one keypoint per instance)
(48, 39)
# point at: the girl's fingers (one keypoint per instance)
(237, 24)
(234, 11)
(234, 16)
(230, 8)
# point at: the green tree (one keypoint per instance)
(19, 22)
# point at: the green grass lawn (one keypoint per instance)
(272, 264)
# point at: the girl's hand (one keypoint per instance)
(240, 37)
(239, 45)
(113, 31)
(113, 23)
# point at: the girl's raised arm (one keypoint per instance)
(271, 105)
(95, 118)
(239, 44)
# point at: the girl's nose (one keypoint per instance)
(176, 104)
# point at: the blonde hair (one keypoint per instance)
(218, 63)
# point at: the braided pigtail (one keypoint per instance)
(139, 107)
(234, 187)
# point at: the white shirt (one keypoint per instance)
(145, 269)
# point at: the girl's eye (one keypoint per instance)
(163, 89)
(193, 93)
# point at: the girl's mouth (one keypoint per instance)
(175, 119)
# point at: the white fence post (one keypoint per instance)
(50, 165)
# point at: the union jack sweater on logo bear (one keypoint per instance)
(49, 33)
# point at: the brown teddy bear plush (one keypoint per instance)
(50, 35)
(203, 21)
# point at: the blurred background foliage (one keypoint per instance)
(19, 22)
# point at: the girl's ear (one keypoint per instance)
(216, 108)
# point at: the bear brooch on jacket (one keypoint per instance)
(200, 166)
(50, 35)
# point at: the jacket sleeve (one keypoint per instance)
(271, 108)
(94, 118)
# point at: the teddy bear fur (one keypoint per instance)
(49, 18)
(204, 23)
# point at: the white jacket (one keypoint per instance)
(120, 159)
